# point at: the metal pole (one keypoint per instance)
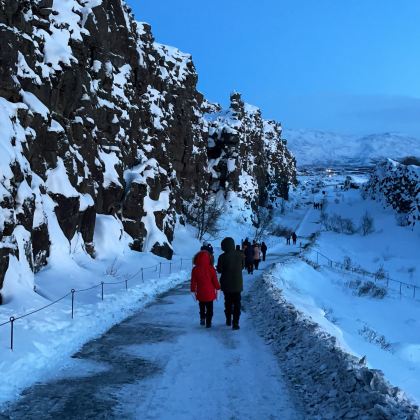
(181, 264)
(102, 290)
(170, 268)
(160, 268)
(72, 303)
(142, 274)
(126, 285)
(12, 320)
(414, 292)
(400, 288)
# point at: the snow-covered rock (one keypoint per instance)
(397, 185)
(98, 119)
(247, 154)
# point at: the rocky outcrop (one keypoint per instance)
(398, 186)
(98, 118)
(247, 155)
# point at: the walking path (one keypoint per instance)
(160, 364)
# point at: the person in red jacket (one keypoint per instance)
(204, 285)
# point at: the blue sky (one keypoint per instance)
(346, 66)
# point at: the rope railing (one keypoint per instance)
(102, 284)
(361, 271)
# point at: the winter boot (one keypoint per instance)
(202, 321)
(235, 327)
(208, 324)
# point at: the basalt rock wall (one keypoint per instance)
(96, 118)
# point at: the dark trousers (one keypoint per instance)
(256, 264)
(206, 311)
(264, 255)
(250, 267)
(233, 306)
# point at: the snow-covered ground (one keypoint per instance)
(44, 339)
(384, 329)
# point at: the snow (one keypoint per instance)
(384, 330)
(58, 181)
(110, 160)
(35, 105)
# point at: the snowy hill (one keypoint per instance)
(312, 147)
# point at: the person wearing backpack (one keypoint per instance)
(204, 285)
(230, 265)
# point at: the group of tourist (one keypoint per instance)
(253, 253)
(291, 237)
(205, 284)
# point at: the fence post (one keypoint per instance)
(170, 268)
(414, 292)
(400, 288)
(126, 284)
(160, 268)
(181, 264)
(12, 320)
(142, 275)
(102, 290)
(72, 303)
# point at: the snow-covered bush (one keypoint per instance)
(367, 224)
(371, 289)
(347, 263)
(338, 224)
(380, 273)
(374, 337)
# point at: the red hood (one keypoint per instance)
(202, 259)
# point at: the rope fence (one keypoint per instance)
(321, 259)
(157, 268)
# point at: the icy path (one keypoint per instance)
(160, 364)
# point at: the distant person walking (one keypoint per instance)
(263, 250)
(230, 265)
(294, 238)
(288, 239)
(249, 258)
(257, 256)
(204, 285)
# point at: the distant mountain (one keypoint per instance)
(312, 147)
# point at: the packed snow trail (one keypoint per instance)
(160, 363)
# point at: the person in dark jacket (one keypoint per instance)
(204, 285)
(230, 265)
(294, 238)
(263, 250)
(249, 258)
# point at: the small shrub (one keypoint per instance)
(338, 224)
(371, 289)
(380, 273)
(367, 224)
(280, 230)
(374, 337)
(347, 264)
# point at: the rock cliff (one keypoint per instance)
(96, 118)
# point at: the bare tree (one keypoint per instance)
(204, 214)
(264, 218)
